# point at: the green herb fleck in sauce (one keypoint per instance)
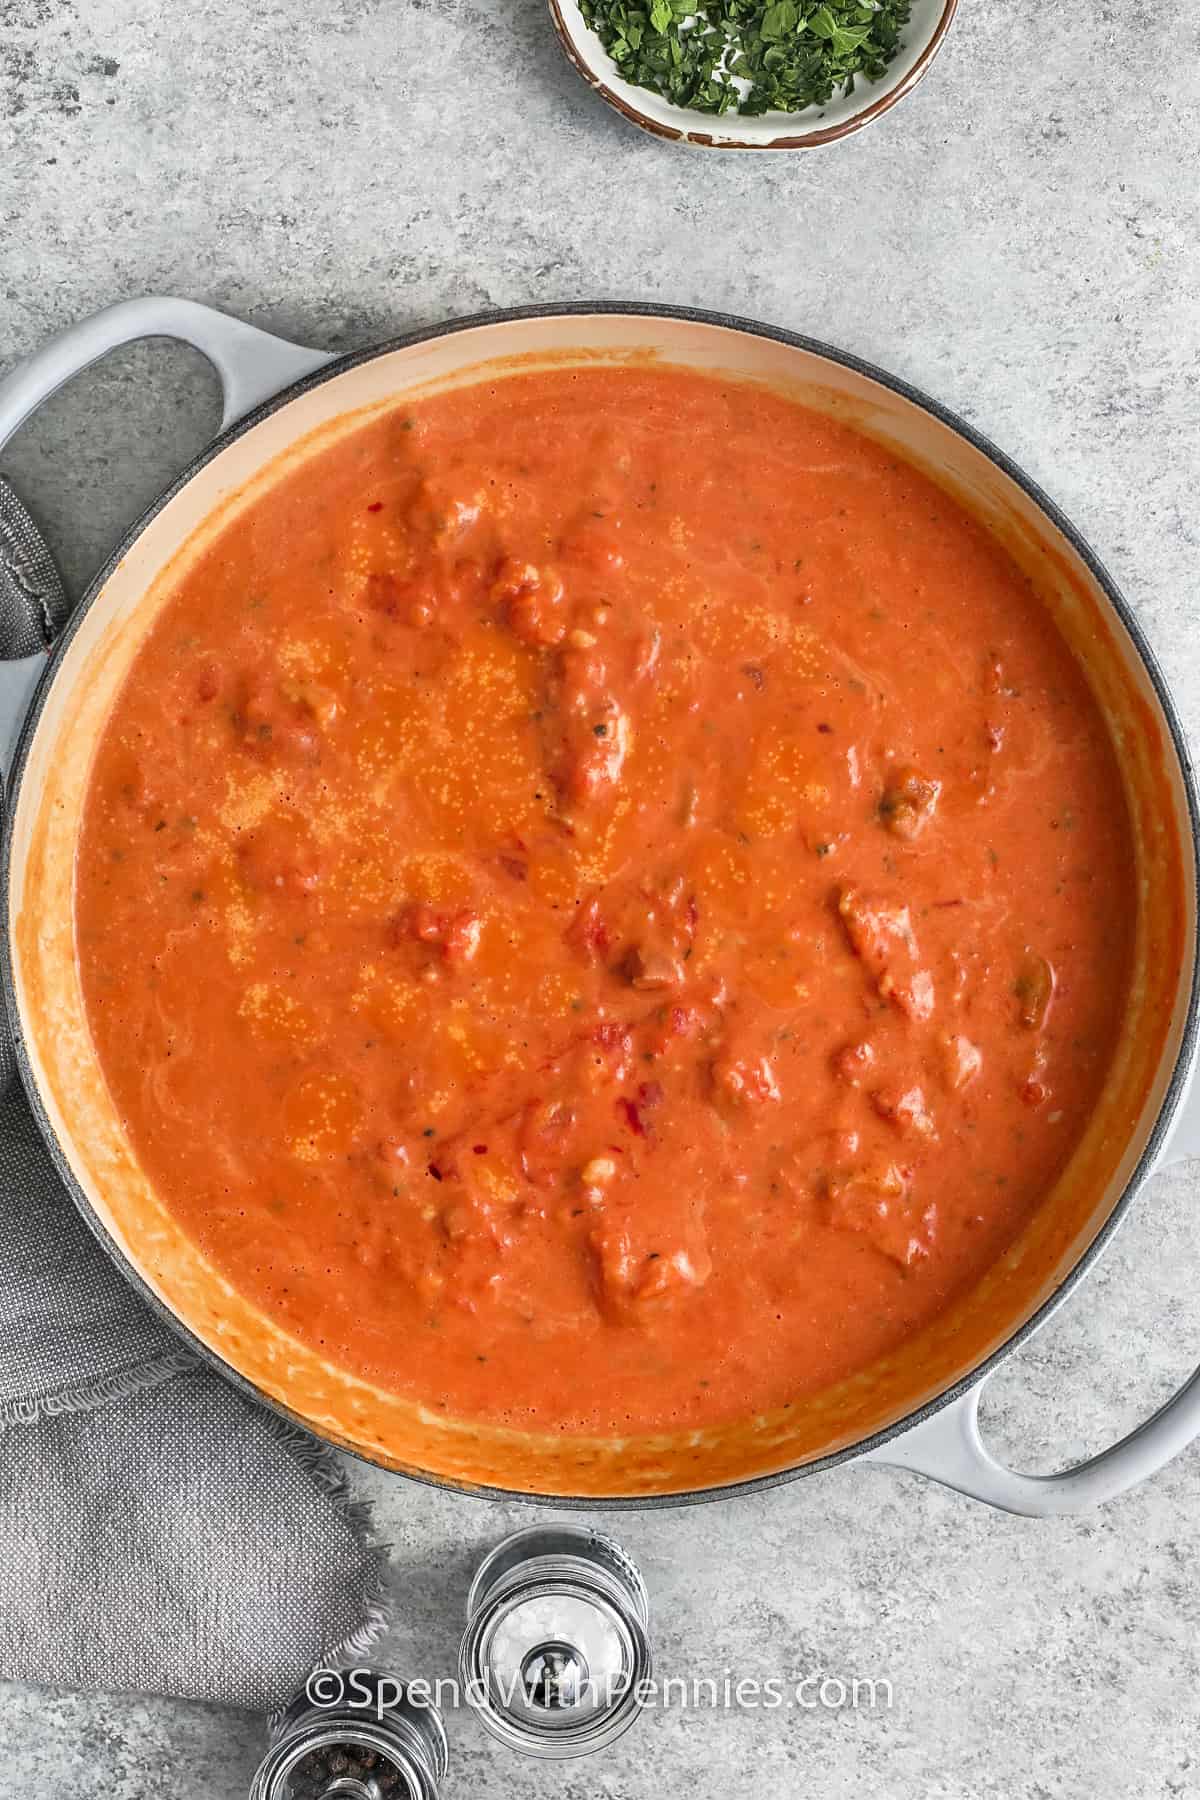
(748, 56)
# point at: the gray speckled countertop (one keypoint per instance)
(1022, 239)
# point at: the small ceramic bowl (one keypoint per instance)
(922, 39)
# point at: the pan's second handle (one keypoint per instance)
(1183, 1134)
(948, 1448)
(252, 366)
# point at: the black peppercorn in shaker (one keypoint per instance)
(354, 1734)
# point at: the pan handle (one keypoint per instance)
(1183, 1138)
(948, 1448)
(252, 366)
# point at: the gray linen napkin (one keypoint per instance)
(159, 1533)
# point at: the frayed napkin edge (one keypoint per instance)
(320, 1461)
(93, 1394)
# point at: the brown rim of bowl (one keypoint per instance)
(809, 140)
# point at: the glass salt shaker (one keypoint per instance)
(556, 1648)
(354, 1734)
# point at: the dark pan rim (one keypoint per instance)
(748, 327)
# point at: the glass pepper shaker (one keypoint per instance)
(354, 1734)
(556, 1648)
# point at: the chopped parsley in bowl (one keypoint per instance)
(752, 73)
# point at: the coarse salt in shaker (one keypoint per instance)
(555, 1651)
(354, 1734)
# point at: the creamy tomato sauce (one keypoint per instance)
(605, 902)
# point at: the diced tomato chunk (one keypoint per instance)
(636, 1111)
(589, 932)
(630, 1275)
(672, 1272)
(911, 994)
(852, 1062)
(1034, 1090)
(413, 601)
(743, 1081)
(1034, 990)
(545, 1142)
(592, 734)
(456, 935)
(393, 1153)
(963, 1061)
(905, 1109)
(279, 857)
(880, 932)
(607, 1054)
(877, 1203)
(274, 728)
(443, 512)
(877, 929)
(462, 935)
(909, 802)
(650, 967)
(533, 602)
(594, 544)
